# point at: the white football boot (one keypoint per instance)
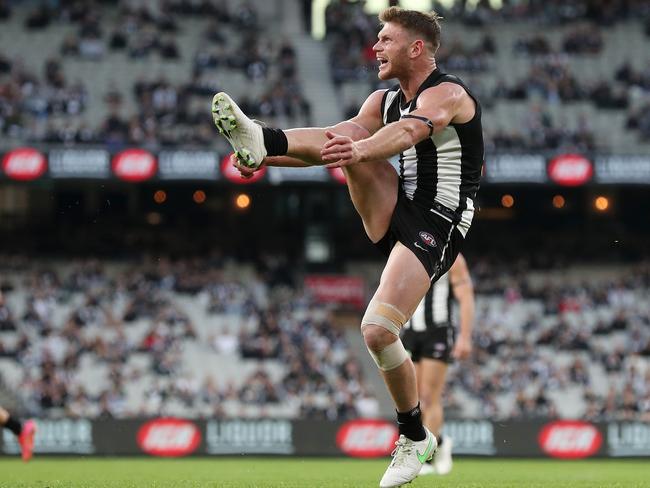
(442, 462)
(427, 468)
(243, 134)
(408, 458)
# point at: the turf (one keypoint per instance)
(286, 473)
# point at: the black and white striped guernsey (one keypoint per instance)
(441, 173)
(435, 308)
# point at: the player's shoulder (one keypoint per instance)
(446, 91)
(381, 93)
(376, 99)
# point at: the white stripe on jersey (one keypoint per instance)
(466, 217)
(449, 152)
(417, 321)
(389, 101)
(440, 302)
(410, 162)
(439, 307)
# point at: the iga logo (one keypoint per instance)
(169, 437)
(134, 165)
(232, 174)
(367, 438)
(428, 239)
(570, 170)
(570, 439)
(24, 164)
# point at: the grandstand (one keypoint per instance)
(103, 74)
(123, 300)
(227, 344)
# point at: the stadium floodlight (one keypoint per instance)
(601, 203)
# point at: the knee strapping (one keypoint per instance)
(384, 315)
(391, 356)
(388, 317)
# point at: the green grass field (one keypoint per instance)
(256, 472)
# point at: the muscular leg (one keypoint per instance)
(431, 384)
(372, 186)
(403, 283)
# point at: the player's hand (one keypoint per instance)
(244, 171)
(462, 348)
(339, 151)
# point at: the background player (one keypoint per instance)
(23, 431)
(419, 219)
(429, 336)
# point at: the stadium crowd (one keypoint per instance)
(48, 107)
(535, 343)
(97, 306)
(551, 80)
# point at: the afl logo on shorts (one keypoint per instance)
(427, 239)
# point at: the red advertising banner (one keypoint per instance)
(233, 175)
(24, 164)
(570, 170)
(350, 290)
(135, 165)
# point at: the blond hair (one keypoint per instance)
(425, 24)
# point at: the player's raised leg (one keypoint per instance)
(251, 142)
(403, 283)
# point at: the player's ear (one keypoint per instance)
(417, 47)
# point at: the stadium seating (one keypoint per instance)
(105, 339)
(512, 71)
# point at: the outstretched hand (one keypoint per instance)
(339, 151)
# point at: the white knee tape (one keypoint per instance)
(391, 356)
(384, 315)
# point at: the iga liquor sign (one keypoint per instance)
(134, 165)
(570, 439)
(24, 164)
(628, 439)
(367, 438)
(570, 170)
(169, 437)
(64, 436)
(266, 436)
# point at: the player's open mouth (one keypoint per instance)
(382, 62)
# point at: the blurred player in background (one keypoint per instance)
(418, 218)
(23, 431)
(430, 338)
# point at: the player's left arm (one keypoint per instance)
(463, 289)
(437, 107)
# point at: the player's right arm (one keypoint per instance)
(304, 144)
(463, 289)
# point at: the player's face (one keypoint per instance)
(391, 50)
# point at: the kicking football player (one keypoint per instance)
(23, 431)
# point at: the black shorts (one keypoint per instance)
(433, 239)
(433, 343)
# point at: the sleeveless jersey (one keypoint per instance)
(441, 173)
